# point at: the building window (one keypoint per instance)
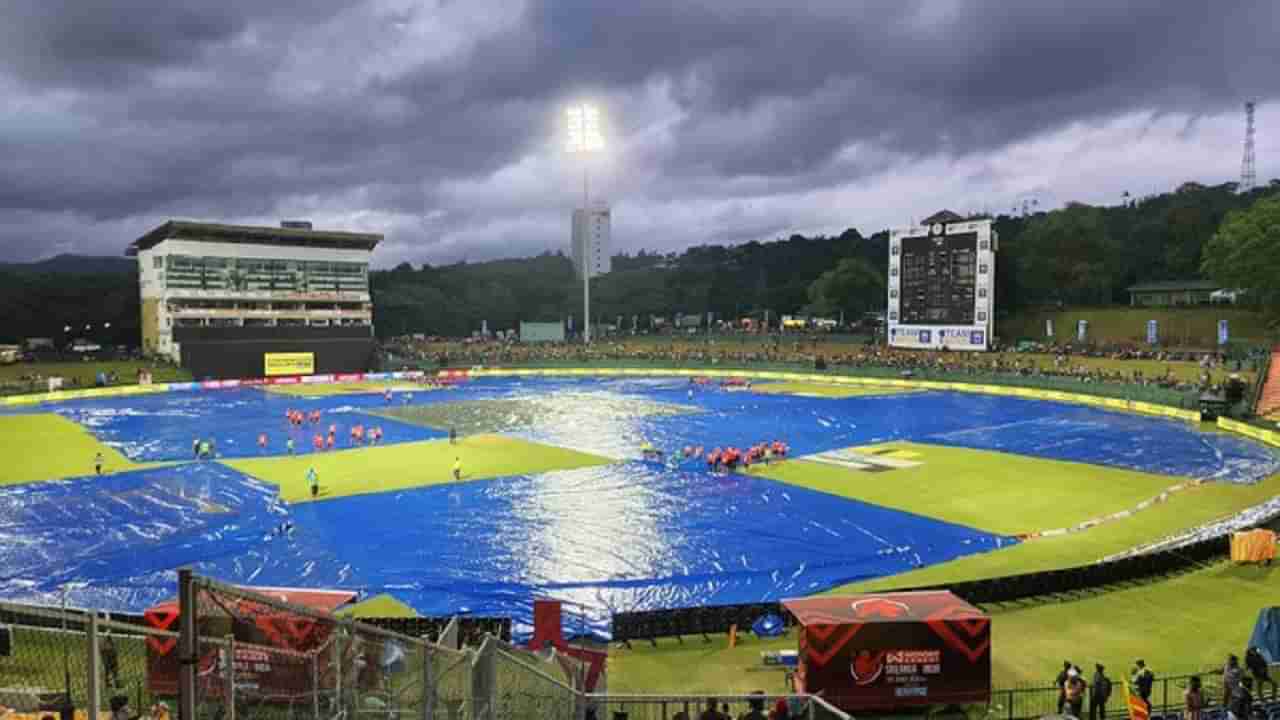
(982, 292)
(893, 250)
(893, 293)
(982, 317)
(893, 315)
(982, 269)
(157, 262)
(893, 272)
(984, 245)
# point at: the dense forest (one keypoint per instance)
(1077, 255)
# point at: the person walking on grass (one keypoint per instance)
(453, 436)
(313, 479)
(97, 464)
(457, 468)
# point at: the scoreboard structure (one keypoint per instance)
(942, 285)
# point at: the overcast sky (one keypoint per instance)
(441, 124)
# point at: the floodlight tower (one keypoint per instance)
(1248, 173)
(585, 139)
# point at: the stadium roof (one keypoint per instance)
(942, 216)
(254, 235)
(1175, 285)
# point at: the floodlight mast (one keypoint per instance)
(585, 138)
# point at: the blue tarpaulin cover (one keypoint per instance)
(1266, 634)
(631, 535)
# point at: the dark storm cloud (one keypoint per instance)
(408, 116)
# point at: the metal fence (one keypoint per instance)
(60, 661)
(691, 707)
(1167, 699)
(249, 657)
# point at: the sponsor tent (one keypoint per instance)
(1266, 634)
(893, 650)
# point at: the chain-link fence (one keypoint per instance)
(62, 661)
(263, 657)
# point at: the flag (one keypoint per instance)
(1138, 709)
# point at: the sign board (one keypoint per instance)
(942, 280)
(1153, 332)
(1082, 330)
(1048, 327)
(1223, 334)
(893, 650)
(276, 364)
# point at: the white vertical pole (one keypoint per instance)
(94, 701)
(586, 253)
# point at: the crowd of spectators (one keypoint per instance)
(1237, 689)
(1064, 362)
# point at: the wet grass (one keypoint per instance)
(996, 492)
(409, 465)
(1179, 625)
(50, 447)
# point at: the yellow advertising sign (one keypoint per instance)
(275, 364)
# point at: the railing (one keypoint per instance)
(653, 624)
(64, 660)
(1080, 385)
(691, 707)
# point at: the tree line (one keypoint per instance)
(1076, 255)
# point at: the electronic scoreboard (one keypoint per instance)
(942, 285)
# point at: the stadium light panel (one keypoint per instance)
(584, 129)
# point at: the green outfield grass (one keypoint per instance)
(1179, 625)
(378, 606)
(1184, 327)
(50, 447)
(997, 492)
(396, 467)
(87, 372)
(1184, 510)
(823, 390)
(345, 388)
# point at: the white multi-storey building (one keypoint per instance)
(206, 275)
(591, 239)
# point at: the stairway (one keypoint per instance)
(1269, 403)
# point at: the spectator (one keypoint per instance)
(110, 660)
(1143, 681)
(1230, 680)
(1074, 692)
(120, 708)
(755, 708)
(1258, 669)
(1193, 700)
(1241, 707)
(1101, 693)
(710, 713)
(1061, 682)
(780, 710)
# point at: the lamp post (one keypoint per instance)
(584, 139)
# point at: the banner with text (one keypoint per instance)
(276, 364)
